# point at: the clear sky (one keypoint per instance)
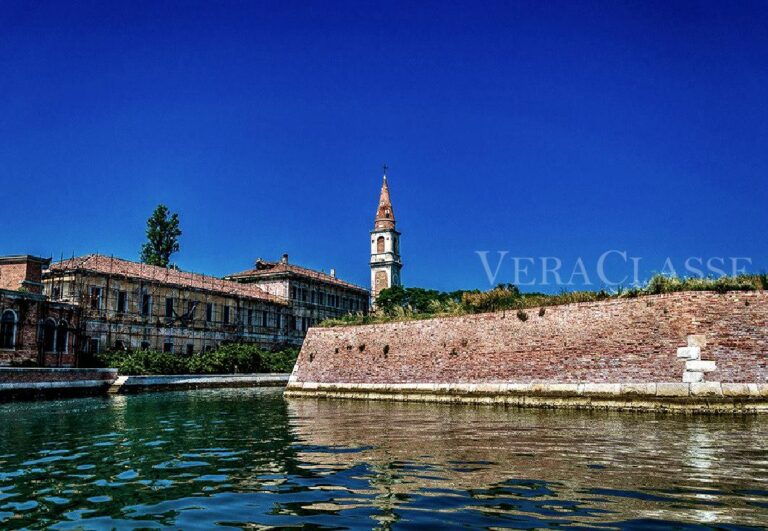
(562, 129)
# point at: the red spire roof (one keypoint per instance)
(385, 215)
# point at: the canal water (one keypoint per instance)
(251, 459)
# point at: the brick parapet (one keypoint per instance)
(615, 341)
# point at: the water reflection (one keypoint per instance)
(248, 458)
(587, 467)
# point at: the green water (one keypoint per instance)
(250, 459)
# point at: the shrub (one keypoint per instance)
(227, 359)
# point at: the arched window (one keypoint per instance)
(380, 244)
(8, 329)
(49, 335)
(62, 334)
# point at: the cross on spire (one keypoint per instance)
(385, 167)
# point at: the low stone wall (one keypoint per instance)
(711, 397)
(25, 383)
(675, 339)
(41, 382)
(133, 384)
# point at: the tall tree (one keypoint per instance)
(162, 237)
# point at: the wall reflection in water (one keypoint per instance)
(582, 466)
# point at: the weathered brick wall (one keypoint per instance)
(627, 340)
(12, 275)
(31, 375)
(31, 310)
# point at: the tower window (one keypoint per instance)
(380, 244)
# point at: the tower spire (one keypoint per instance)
(385, 215)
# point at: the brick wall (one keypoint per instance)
(30, 311)
(12, 275)
(627, 340)
(31, 375)
(24, 271)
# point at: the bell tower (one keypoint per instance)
(385, 245)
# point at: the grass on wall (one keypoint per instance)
(405, 304)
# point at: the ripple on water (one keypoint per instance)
(243, 458)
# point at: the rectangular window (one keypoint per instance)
(293, 292)
(146, 304)
(209, 312)
(56, 293)
(95, 298)
(167, 346)
(304, 295)
(93, 345)
(145, 345)
(313, 297)
(122, 302)
(190, 349)
(226, 314)
(250, 317)
(264, 319)
(169, 306)
(191, 307)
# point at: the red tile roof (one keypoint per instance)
(264, 269)
(119, 267)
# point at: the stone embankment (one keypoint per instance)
(41, 382)
(24, 383)
(692, 351)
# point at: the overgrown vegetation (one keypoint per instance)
(403, 304)
(227, 359)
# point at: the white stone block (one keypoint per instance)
(700, 366)
(690, 353)
(706, 389)
(672, 389)
(693, 377)
(602, 388)
(735, 389)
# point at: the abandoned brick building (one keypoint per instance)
(314, 296)
(129, 306)
(33, 329)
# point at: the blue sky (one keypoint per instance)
(561, 129)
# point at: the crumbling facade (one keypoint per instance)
(130, 306)
(34, 330)
(22, 273)
(314, 296)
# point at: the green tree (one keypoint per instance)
(162, 237)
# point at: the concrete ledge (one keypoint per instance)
(194, 381)
(702, 397)
(52, 385)
(25, 383)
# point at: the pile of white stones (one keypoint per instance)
(695, 367)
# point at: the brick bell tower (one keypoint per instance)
(385, 245)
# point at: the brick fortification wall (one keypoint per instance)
(624, 340)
